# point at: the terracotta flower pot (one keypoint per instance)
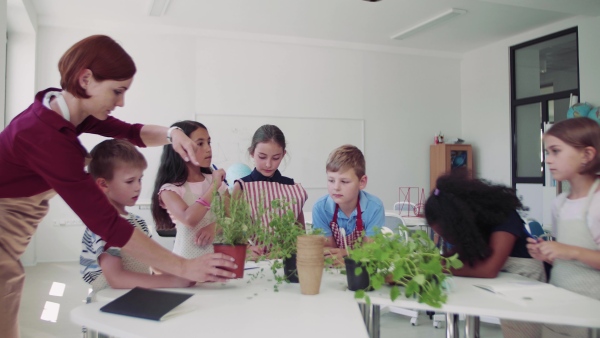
(238, 252)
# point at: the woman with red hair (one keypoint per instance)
(40, 156)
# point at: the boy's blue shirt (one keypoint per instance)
(373, 214)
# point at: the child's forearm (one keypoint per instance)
(586, 256)
(196, 212)
(474, 271)
(129, 279)
(119, 278)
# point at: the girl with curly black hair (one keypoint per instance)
(480, 222)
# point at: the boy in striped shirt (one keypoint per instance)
(117, 168)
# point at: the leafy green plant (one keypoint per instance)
(280, 236)
(234, 220)
(412, 266)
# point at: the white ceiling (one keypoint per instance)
(351, 22)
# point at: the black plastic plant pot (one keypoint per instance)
(356, 282)
(289, 269)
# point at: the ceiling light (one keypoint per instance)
(445, 16)
(158, 7)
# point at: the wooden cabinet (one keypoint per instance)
(445, 157)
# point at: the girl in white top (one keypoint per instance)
(183, 193)
(573, 155)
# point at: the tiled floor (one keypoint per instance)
(41, 277)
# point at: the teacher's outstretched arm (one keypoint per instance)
(153, 135)
(206, 268)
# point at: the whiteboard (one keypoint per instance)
(309, 142)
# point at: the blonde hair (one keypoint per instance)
(346, 157)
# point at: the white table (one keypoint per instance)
(548, 304)
(251, 306)
(241, 308)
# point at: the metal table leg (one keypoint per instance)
(452, 325)
(375, 316)
(472, 326)
(371, 315)
(366, 314)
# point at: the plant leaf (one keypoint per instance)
(411, 288)
(394, 292)
(419, 279)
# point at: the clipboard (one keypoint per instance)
(146, 303)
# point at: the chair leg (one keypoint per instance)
(438, 320)
(86, 333)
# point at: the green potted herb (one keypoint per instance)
(280, 238)
(412, 266)
(235, 228)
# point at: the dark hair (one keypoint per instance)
(108, 154)
(267, 133)
(172, 169)
(346, 157)
(465, 210)
(579, 133)
(99, 53)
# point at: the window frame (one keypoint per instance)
(542, 99)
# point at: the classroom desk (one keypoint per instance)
(250, 305)
(239, 308)
(547, 304)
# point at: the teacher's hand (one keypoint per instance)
(207, 268)
(184, 146)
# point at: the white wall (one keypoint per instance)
(20, 89)
(20, 75)
(3, 23)
(485, 94)
(392, 93)
(404, 100)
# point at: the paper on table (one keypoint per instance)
(250, 265)
(519, 291)
(180, 309)
(513, 287)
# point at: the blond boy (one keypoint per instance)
(117, 167)
(348, 212)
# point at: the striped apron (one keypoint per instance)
(352, 238)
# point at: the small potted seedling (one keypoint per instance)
(280, 237)
(234, 228)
